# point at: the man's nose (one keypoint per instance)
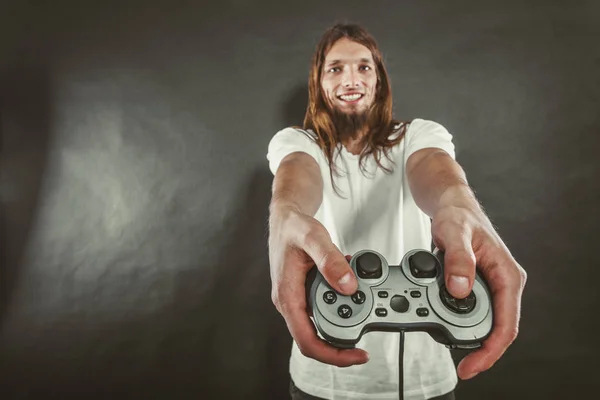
(350, 78)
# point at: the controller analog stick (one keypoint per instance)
(459, 306)
(368, 266)
(423, 265)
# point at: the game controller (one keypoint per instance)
(411, 296)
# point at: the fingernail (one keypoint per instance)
(458, 284)
(344, 281)
(471, 375)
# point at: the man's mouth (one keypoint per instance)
(350, 98)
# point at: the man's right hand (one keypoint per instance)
(297, 242)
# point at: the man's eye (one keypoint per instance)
(337, 68)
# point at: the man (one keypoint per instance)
(396, 176)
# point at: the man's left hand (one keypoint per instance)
(468, 239)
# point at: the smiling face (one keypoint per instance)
(349, 77)
(347, 60)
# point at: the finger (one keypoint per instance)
(506, 294)
(293, 306)
(305, 335)
(331, 263)
(459, 262)
(348, 257)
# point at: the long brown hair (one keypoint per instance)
(380, 122)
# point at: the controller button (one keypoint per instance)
(423, 265)
(399, 304)
(358, 297)
(415, 294)
(368, 266)
(383, 294)
(459, 306)
(422, 312)
(329, 297)
(344, 311)
(380, 312)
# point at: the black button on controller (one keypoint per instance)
(358, 297)
(399, 304)
(422, 312)
(383, 294)
(459, 306)
(415, 293)
(368, 266)
(423, 265)
(329, 297)
(344, 311)
(380, 312)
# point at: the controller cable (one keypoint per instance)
(401, 367)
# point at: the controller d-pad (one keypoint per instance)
(358, 297)
(459, 306)
(344, 311)
(329, 297)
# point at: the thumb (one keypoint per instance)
(333, 266)
(459, 264)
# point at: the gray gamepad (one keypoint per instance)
(411, 296)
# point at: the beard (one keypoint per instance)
(349, 124)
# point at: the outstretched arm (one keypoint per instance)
(462, 230)
(297, 241)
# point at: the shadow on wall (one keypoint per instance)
(246, 335)
(25, 127)
(294, 107)
(248, 340)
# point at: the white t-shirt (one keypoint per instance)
(379, 213)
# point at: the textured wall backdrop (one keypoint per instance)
(135, 186)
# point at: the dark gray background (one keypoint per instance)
(135, 185)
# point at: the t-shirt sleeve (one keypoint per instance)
(287, 141)
(424, 133)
